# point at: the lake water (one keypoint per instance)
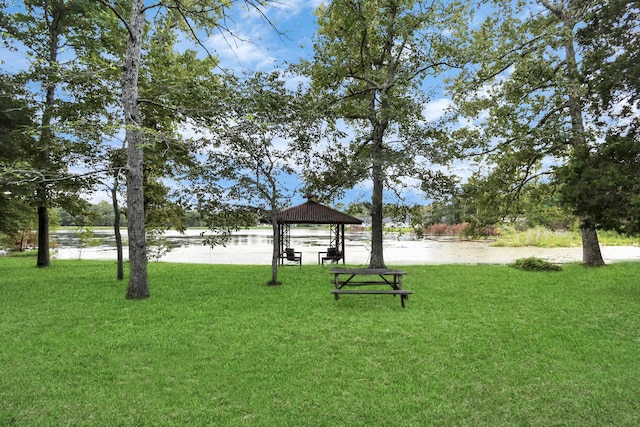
(254, 247)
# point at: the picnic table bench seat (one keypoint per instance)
(372, 291)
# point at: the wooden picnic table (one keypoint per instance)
(357, 277)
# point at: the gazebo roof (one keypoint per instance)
(312, 212)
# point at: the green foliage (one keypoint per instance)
(216, 346)
(17, 221)
(68, 99)
(604, 183)
(157, 245)
(535, 264)
(249, 164)
(611, 48)
(16, 214)
(249, 155)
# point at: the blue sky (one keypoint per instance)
(258, 46)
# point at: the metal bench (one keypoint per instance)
(291, 255)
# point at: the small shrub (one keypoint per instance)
(437, 229)
(458, 229)
(535, 264)
(474, 230)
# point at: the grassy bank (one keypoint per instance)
(544, 238)
(476, 345)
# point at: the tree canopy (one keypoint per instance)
(370, 61)
(63, 96)
(532, 95)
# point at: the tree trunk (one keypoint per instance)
(377, 256)
(44, 259)
(116, 228)
(591, 254)
(23, 238)
(47, 139)
(138, 280)
(275, 256)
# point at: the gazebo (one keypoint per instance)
(312, 212)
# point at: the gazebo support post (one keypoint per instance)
(284, 237)
(341, 228)
(279, 243)
(336, 238)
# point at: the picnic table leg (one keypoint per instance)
(398, 285)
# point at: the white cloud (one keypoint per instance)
(257, 43)
(240, 51)
(298, 5)
(190, 131)
(435, 110)
(263, 40)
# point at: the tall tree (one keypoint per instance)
(50, 31)
(525, 91)
(605, 182)
(371, 59)
(173, 87)
(189, 17)
(254, 155)
(138, 280)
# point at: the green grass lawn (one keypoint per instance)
(476, 345)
